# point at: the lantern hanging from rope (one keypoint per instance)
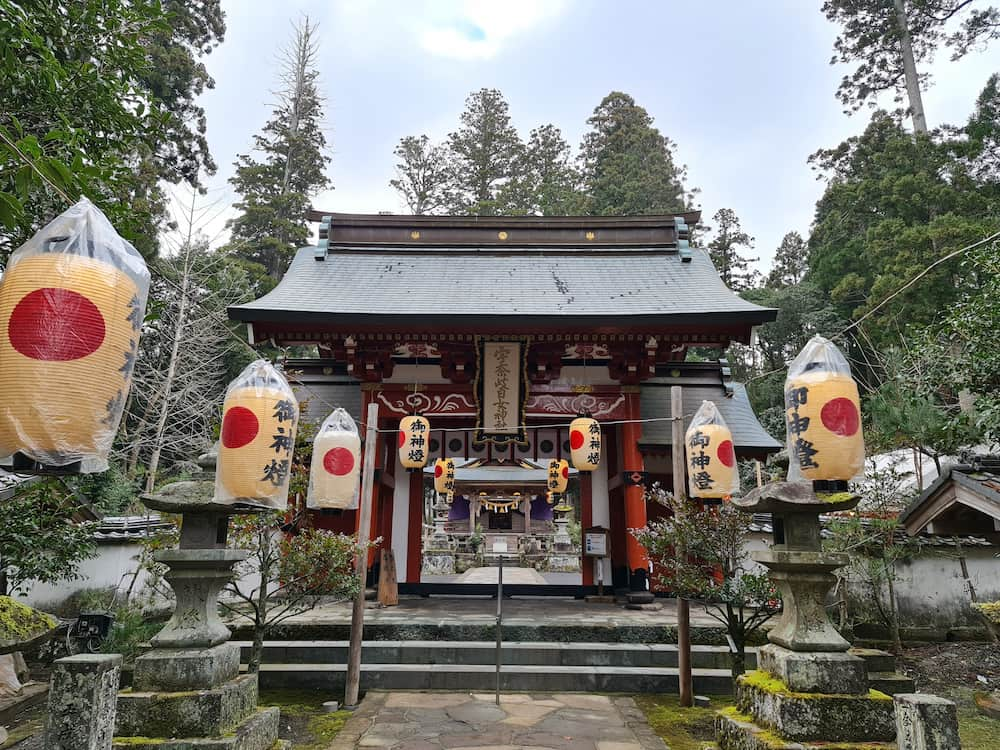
(414, 435)
(711, 460)
(558, 478)
(444, 478)
(259, 419)
(823, 417)
(72, 303)
(336, 463)
(585, 443)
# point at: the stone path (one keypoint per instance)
(510, 575)
(455, 721)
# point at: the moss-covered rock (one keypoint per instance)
(21, 624)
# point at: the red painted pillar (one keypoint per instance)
(586, 521)
(635, 502)
(415, 526)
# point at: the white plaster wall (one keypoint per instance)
(112, 566)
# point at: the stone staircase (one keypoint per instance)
(525, 666)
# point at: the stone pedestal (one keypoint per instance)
(809, 692)
(82, 702)
(926, 722)
(187, 692)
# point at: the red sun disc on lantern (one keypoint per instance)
(725, 453)
(239, 427)
(438, 470)
(402, 438)
(576, 440)
(840, 416)
(565, 472)
(56, 325)
(338, 461)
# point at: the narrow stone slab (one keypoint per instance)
(814, 716)
(258, 732)
(82, 702)
(815, 672)
(201, 713)
(734, 731)
(172, 670)
(925, 722)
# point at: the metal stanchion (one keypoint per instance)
(499, 622)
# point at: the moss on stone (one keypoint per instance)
(19, 622)
(834, 497)
(770, 684)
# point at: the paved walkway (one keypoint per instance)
(511, 575)
(454, 721)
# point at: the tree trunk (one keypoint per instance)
(910, 70)
(890, 574)
(738, 658)
(260, 621)
(179, 330)
(257, 649)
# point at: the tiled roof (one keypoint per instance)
(651, 284)
(112, 529)
(733, 404)
(976, 485)
(762, 524)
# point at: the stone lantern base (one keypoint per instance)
(187, 692)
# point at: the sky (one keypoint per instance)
(744, 89)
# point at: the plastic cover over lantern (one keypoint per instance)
(259, 419)
(72, 302)
(711, 460)
(336, 463)
(558, 477)
(585, 443)
(444, 477)
(414, 435)
(823, 416)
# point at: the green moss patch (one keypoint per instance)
(19, 622)
(302, 718)
(771, 684)
(682, 728)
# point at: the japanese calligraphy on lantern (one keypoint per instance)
(711, 459)
(500, 393)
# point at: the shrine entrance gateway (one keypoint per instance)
(598, 315)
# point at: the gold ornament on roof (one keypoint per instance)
(414, 235)
(502, 235)
(590, 235)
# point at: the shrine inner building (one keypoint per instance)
(500, 331)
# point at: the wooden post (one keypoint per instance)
(361, 559)
(683, 610)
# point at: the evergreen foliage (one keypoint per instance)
(423, 176)
(871, 34)
(287, 167)
(628, 165)
(64, 120)
(726, 248)
(790, 262)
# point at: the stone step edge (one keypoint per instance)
(490, 668)
(748, 735)
(491, 645)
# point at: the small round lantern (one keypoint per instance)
(444, 477)
(711, 460)
(72, 302)
(585, 443)
(823, 417)
(336, 463)
(558, 478)
(414, 435)
(259, 419)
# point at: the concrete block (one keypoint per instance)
(82, 702)
(815, 716)
(195, 713)
(815, 672)
(926, 722)
(172, 670)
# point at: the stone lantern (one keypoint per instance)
(189, 685)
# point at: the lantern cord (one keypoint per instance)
(35, 169)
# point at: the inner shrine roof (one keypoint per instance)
(383, 287)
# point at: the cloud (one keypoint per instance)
(479, 29)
